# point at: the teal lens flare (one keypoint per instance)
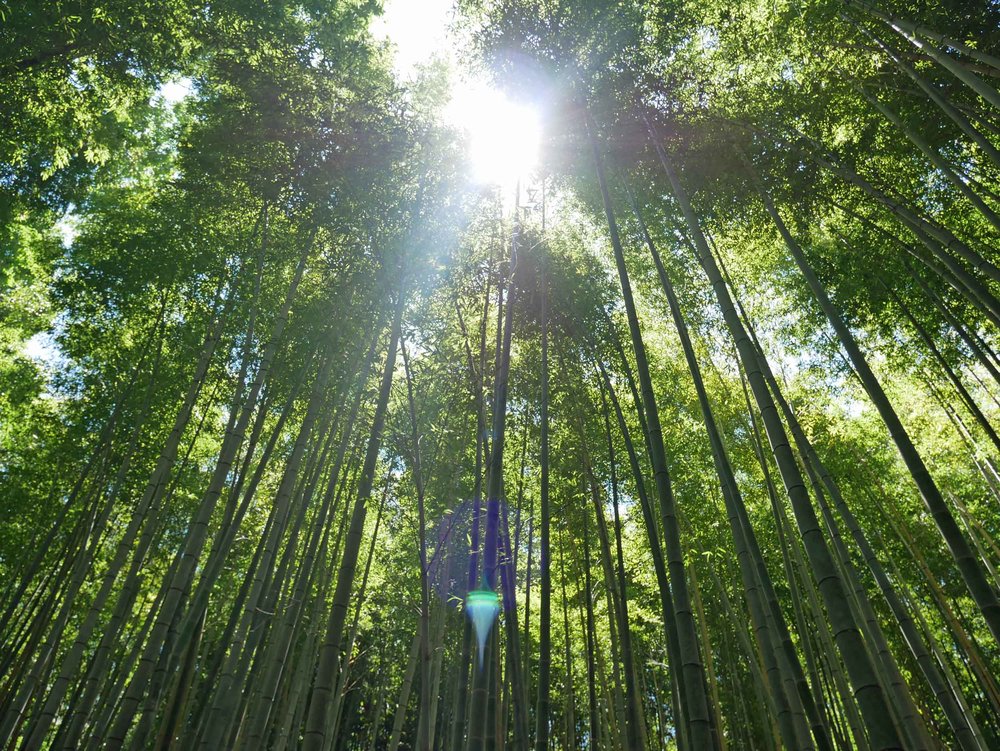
(482, 606)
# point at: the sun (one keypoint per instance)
(503, 136)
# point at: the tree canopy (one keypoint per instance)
(310, 437)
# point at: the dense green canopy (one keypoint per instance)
(707, 407)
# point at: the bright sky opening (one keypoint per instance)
(503, 136)
(175, 90)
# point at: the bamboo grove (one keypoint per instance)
(705, 411)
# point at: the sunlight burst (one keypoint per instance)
(503, 136)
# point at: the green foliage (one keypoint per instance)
(270, 222)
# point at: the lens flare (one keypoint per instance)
(482, 606)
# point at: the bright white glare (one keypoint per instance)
(503, 136)
(418, 29)
(43, 349)
(68, 227)
(175, 90)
